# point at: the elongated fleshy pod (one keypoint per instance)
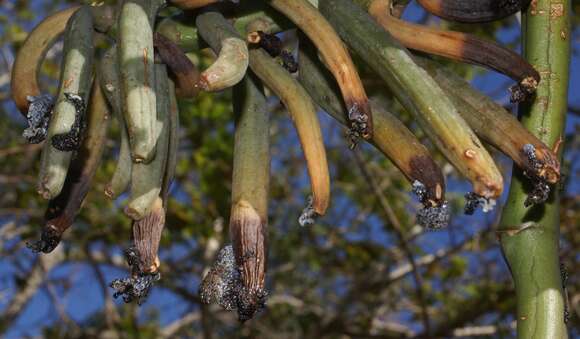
(136, 60)
(250, 188)
(303, 113)
(147, 178)
(66, 125)
(473, 11)
(336, 57)
(183, 70)
(110, 85)
(229, 68)
(24, 82)
(173, 147)
(418, 93)
(213, 27)
(390, 136)
(495, 125)
(62, 209)
(459, 46)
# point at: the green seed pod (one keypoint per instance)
(136, 60)
(110, 85)
(65, 127)
(147, 178)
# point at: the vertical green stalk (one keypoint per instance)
(529, 236)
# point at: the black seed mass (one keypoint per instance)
(49, 239)
(38, 116)
(71, 140)
(540, 188)
(430, 217)
(223, 285)
(137, 286)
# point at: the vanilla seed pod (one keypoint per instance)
(473, 11)
(136, 62)
(418, 93)
(66, 125)
(250, 189)
(147, 178)
(62, 209)
(494, 124)
(184, 72)
(459, 46)
(229, 68)
(390, 136)
(336, 57)
(111, 86)
(24, 82)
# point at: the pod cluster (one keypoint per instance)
(143, 69)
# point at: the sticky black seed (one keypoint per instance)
(138, 286)
(270, 43)
(49, 239)
(308, 216)
(223, 285)
(38, 116)
(71, 141)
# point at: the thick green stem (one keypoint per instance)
(529, 236)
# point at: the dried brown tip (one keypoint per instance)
(461, 47)
(147, 235)
(525, 89)
(250, 241)
(186, 75)
(427, 172)
(542, 162)
(473, 11)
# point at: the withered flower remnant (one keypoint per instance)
(38, 117)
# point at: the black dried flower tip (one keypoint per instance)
(223, 285)
(288, 61)
(308, 216)
(474, 200)
(135, 288)
(273, 45)
(524, 90)
(71, 141)
(432, 217)
(359, 127)
(540, 188)
(270, 43)
(49, 239)
(38, 116)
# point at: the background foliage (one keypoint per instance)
(346, 276)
